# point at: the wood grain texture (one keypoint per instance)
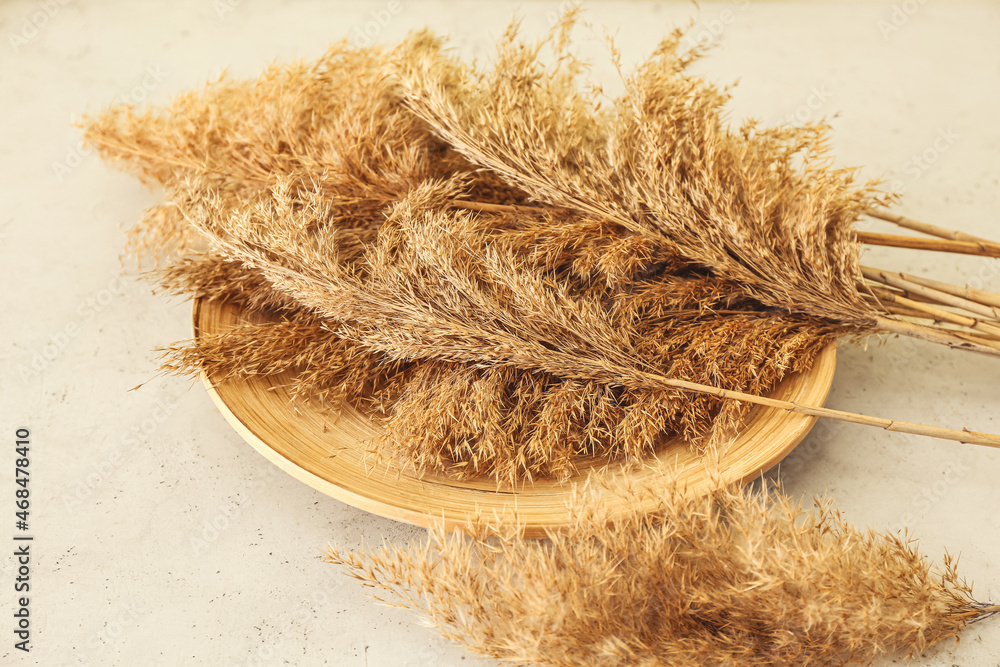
(326, 448)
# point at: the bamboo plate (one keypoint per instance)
(326, 451)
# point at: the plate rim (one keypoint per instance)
(476, 500)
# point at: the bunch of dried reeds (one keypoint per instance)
(738, 577)
(513, 275)
(516, 276)
(488, 364)
(763, 207)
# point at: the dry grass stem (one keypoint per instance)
(932, 292)
(966, 292)
(926, 228)
(939, 314)
(980, 248)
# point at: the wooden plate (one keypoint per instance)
(326, 451)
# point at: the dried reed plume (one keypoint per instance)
(738, 577)
(762, 207)
(512, 278)
(452, 288)
(512, 275)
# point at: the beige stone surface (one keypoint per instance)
(162, 539)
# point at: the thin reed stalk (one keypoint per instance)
(981, 248)
(925, 227)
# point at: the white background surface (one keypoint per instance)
(161, 538)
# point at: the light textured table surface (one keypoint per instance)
(163, 539)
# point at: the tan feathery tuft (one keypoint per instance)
(737, 577)
(561, 280)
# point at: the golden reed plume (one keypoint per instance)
(736, 577)
(514, 274)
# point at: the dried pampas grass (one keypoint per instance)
(761, 207)
(515, 372)
(737, 577)
(514, 275)
(511, 275)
